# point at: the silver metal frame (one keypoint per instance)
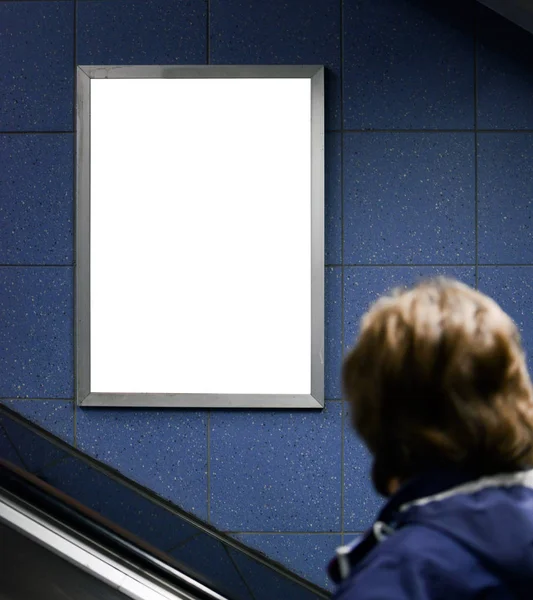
(84, 396)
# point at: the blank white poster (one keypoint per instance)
(200, 232)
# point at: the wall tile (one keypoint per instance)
(512, 288)
(279, 32)
(36, 71)
(408, 64)
(333, 200)
(273, 471)
(118, 503)
(36, 320)
(361, 502)
(505, 198)
(364, 285)
(56, 416)
(409, 198)
(141, 32)
(308, 555)
(163, 450)
(505, 77)
(333, 333)
(36, 211)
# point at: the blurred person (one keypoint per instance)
(440, 394)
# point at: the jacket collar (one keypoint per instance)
(427, 485)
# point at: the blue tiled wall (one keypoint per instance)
(429, 157)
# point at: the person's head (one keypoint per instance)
(437, 379)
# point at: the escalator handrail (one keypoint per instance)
(227, 541)
(85, 522)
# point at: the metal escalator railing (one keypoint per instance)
(80, 552)
(128, 528)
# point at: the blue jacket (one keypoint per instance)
(445, 537)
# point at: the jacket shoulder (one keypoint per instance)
(417, 563)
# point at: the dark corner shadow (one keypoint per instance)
(493, 32)
(499, 35)
(459, 14)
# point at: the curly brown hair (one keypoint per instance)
(438, 379)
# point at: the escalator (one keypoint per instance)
(72, 529)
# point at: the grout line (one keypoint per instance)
(429, 265)
(416, 265)
(476, 214)
(75, 60)
(476, 187)
(74, 223)
(208, 32)
(400, 131)
(75, 425)
(342, 266)
(342, 469)
(409, 131)
(506, 131)
(34, 132)
(209, 466)
(15, 266)
(36, 399)
(484, 131)
(283, 532)
(328, 266)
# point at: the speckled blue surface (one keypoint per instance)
(36, 337)
(505, 175)
(409, 198)
(56, 416)
(505, 76)
(408, 65)
(333, 200)
(307, 554)
(141, 32)
(164, 450)
(280, 32)
(361, 502)
(363, 285)
(276, 471)
(36, 70)
(333, 333)
(118, 503)
(512, 288)
(36, 199)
